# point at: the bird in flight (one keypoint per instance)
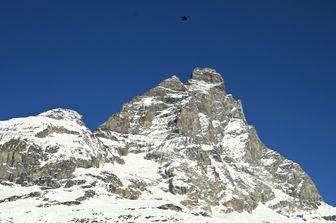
(184, 18)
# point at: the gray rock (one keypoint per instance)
(170, 207)
(330, 218)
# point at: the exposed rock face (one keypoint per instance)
(208, 75)
(186, 144)
(199, 134)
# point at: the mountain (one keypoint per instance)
(181, 152)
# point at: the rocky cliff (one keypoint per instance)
(181, 149)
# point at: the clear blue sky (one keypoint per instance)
(279, 57)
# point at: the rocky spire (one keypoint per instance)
(208, 75)
(173, 83)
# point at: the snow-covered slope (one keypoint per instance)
(44, 148)
(59, 129)
(178, 153)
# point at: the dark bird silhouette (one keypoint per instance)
(184, 18)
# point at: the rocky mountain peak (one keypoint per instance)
(207, 75)
(64, 114)
(173, 83)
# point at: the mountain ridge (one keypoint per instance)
(187, 145)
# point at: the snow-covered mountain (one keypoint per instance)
(181, 152)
